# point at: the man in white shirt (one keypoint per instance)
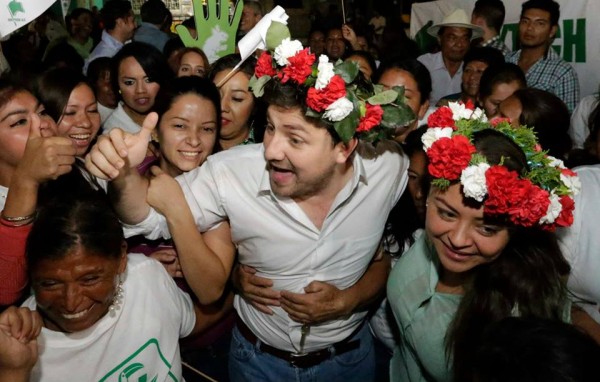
(119, 26)
(307, 211)
(454, 33)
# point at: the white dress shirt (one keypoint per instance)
(580, 243)
(441, 82)
(275, 236)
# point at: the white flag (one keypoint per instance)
(16, 13)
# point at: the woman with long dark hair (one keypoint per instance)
(488, 251)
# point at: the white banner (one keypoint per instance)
(577, 40)
(16, 13)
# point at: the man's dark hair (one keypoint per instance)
(113, 10)
(492, 11)
(490, 56)
(549, 6)
(153, 12)
(500, 74)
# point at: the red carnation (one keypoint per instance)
(528, 211)
(504, 189)
(318, 100)
(470, 105)
(371, 119)
(442, 117)
(498, 120)
(264, 66)
(449, 156)
(298, 68)
(567, 172)
(565, 219)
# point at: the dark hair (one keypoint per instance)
(75, 13)
(500, 74)
(365, 55)
(9, 87)
(291, 96)
(258, 116)
(491, 56)
(190, 23)
(404, 218)
(549, 117)
(492, 11)
(419, 72)
(113, 10)
(526, 279)
(149, 58)
(63, 55)
(153, 12)
(550, 6)
(54, 88)
(229, 62)
(96, 68)
(530, 349)
(172, 45)
(73, 213)
(199, 86)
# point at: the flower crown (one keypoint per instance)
(542, 196)
(333, 95)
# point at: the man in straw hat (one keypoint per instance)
(454, 34)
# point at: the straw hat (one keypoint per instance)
(458, 18)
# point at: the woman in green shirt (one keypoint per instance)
(488, 252)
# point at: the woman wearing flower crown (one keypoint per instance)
(489, 251)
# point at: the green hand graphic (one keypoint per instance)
(216, 33)
(424, 40)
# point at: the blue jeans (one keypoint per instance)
(248, 363)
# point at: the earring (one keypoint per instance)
(117, 298)
(120, 92)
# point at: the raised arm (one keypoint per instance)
(206, 259)
(115, 157)
(44, 158)
(19, 329)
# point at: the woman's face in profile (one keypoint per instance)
(75, 291)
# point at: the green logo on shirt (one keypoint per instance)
(133, 368)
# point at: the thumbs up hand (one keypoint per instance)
(118, 152)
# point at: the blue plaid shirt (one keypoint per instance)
(553, 74)
(496, 43)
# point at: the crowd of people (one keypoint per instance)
(356, 209)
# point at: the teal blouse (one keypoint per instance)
(423, 316)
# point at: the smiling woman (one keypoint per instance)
(29, 156)
(70, 101)
(104, 312)
(489, 251)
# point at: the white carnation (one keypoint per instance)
(472, 179)
(555, 162)
(433, 134)
(288, 48)
(338, 110)
(554, 209)
(325, 69)
(479, 115)
(572, 182)
(459, 111)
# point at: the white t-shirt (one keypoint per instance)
(142, 339)
(120, 119)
